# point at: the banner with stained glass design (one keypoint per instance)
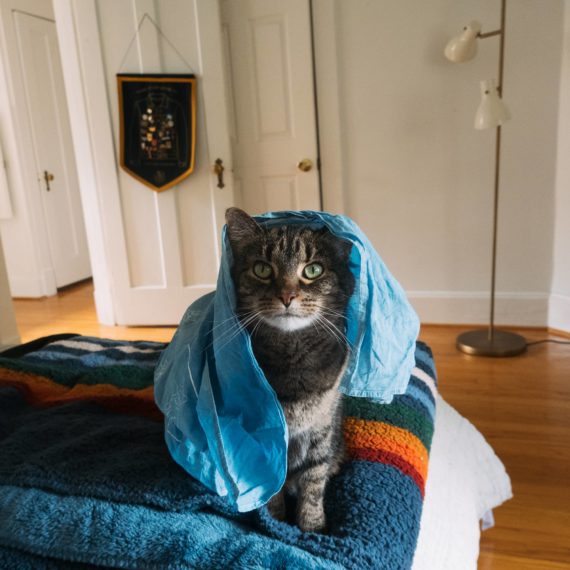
(157, 116)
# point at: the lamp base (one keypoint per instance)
(503, 343)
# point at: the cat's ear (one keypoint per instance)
(346, 248)
(241, 226)
(342, 247)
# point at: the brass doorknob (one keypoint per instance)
(305, 165)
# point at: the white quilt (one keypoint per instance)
(466, 480)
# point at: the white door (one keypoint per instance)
(58, 187)
(156, 252)
(268, 55)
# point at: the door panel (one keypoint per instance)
(47, 107)
(271, 89)
(267, 46)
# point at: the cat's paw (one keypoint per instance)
(277, 508)
(312, 521)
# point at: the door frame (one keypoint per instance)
(80, 48)
(328, 91)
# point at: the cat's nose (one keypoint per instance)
(287, 297)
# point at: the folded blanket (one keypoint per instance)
(85, 476)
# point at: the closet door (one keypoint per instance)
(34, 56)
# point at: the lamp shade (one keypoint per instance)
(491, 112)
(464, 46)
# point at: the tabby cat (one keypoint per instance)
(292, 286)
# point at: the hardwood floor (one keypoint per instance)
(73, 310)
(521, 405)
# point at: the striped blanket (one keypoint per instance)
(85, 476)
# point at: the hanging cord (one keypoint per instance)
(147, 16)
(548, 340)
(200, 113)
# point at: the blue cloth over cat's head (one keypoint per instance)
(223, 422)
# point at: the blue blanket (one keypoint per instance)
(86, 479)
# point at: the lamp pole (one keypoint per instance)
(493, 342)
(501, 33)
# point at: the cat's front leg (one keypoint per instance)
(310, 501)
(311, 474)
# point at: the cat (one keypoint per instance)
(292, 287)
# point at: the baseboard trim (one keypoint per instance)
(472, 308)
(559, 313)
(9, 342)
(558, 332)
(541, 310)
(103, 306)
(22, 288)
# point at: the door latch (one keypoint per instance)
(48, 177)
(219, 171)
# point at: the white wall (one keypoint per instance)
(8, 330)
(559, 316)
(419, 179)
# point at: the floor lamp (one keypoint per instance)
(492, 113)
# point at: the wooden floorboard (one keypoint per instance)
(521, 405)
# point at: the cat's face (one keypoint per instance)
(288, 277)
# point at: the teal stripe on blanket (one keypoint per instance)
(90, 360)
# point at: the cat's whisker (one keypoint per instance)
(242, 326)
(256, 326)
(334, 330)
(332, 312)
(331, 309)
(342, 334)
(225, 321)
(226, 339)
(341, 339)
(331, 332)
(234, 329)
(315, 323)
(229, 331)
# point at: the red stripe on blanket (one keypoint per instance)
(381, 456)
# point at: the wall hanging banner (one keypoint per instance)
(157, 116)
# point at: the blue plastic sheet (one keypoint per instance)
(223, 422)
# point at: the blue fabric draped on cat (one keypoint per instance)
(223, 422)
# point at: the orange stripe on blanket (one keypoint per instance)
(370, 434)
(42, 391)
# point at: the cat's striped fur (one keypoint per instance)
(297, 326)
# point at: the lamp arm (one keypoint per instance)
(482, 35)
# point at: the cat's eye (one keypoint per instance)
(313, 270)
(262, 270)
